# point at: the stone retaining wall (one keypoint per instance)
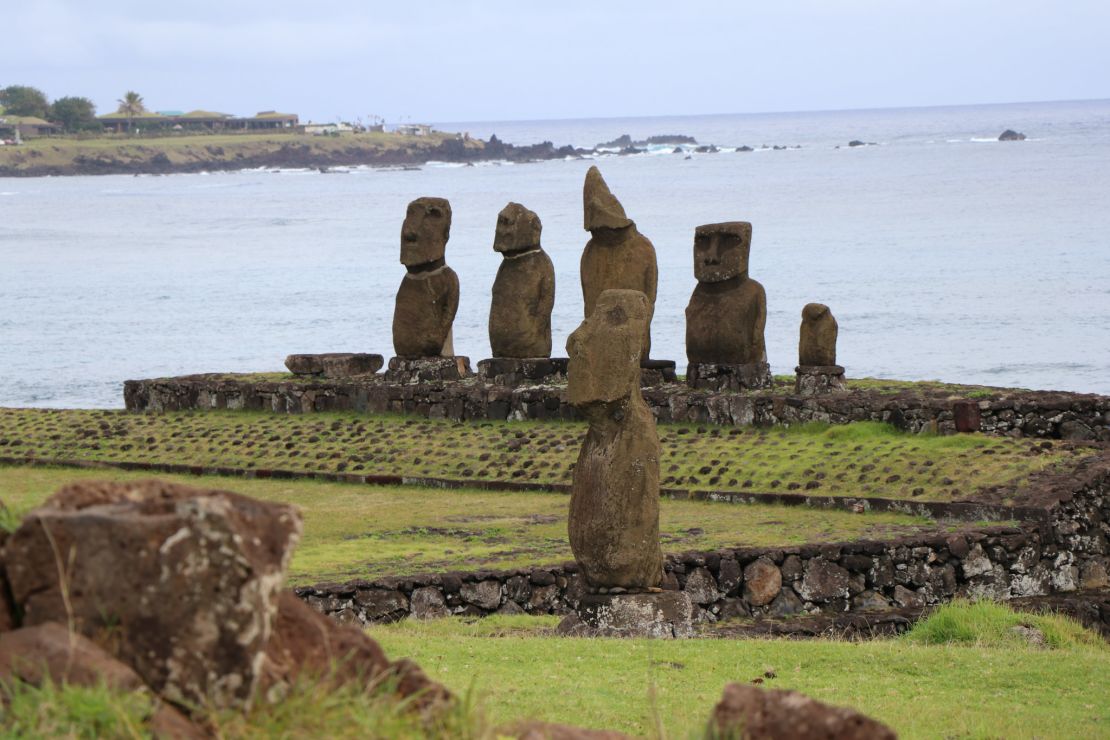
(1020, 413)
(1066, 550)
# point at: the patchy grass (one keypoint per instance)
(995, 625)
(927, 387)
(862, 459)
(370, 531)
(310, 709)
(922, 691)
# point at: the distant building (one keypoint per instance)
(413, 129)
(26, 127)
(200, 120)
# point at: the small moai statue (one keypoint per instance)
(520, 312)
(614, 506)
(427, 299)
(727, 313)
(617, 257)
(817, 371)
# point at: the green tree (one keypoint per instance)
(21, 100)
(73, 113)
(131, 105)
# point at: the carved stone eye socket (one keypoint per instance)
(435, 213)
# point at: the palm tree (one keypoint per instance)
(131, 105)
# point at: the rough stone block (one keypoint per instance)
(668, 614)
(413, 370)
(815, 380)
(512, 372)
(334, 364)
(720, 377)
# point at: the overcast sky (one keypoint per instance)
(478, 61)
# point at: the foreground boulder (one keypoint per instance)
(305, 643)
(179, 583)
(748, 712)
(50, 653)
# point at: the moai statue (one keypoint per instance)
(817, 371)
(428, 297)
(614, 505)
(523, 296)
(727, 313)
(617, 256)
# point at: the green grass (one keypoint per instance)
(370, 531)
(926, 691)
(80, 713)
(862, 459)
(994, 625)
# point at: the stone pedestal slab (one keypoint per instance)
(427, 369)
(665, 615)
(512, 371)
(815, 380)
(335, 364)
(721, 377)
(657, 372)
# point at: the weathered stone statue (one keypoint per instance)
(524, 290)
(817, 371)
(429, 294)
(727, 312)
(523, 296)
(614, 505)
(617, 256)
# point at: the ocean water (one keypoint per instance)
(943, 253)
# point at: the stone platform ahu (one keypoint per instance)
(614, 508)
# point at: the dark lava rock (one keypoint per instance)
(751, 712)
(1011, 135)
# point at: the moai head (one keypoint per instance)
(721, 251)
(604, 350)
(518, 229)
(425, 231)
(600, 208)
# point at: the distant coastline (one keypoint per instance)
(221, 152)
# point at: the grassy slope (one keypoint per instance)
(198, 148)
(862, 459)
(998, 689)
(365, 532)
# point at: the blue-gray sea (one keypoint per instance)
(944, 253)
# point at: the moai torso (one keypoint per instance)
(524, 290)
(727, 313)
(424, 312)
(817, 341)
(429, 294)
(617, 256)
(614, 507)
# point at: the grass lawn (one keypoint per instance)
(986, 688)
(862, 459)
(370, 531)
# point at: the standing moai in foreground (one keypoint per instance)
(614, 505)
(727, 313)
(427, 299)
(817, 371)
(523, 296)
(618, 257)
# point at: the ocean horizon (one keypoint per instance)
(944, 253)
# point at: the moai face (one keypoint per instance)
(600, 208)
(425, 231)
(518, 229)
(721, 251)
(604, 350)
